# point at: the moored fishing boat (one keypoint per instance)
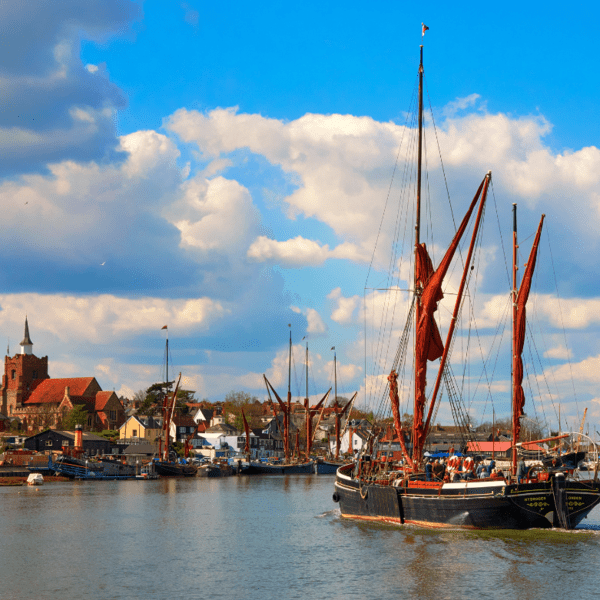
(403, 491)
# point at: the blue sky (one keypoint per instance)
(223, 170)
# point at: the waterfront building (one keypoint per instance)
(54, 440)
(138, 428)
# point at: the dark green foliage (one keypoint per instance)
(78, 415)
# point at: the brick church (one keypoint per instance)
(29, 394)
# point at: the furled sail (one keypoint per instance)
(429, 345)
(519, 335)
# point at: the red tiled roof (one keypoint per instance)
(184, 421)
(53, 390)
(101, 399)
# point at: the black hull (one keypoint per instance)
(258, 468)
(325, 467)
(477, 504)
(214, 471)
(169, 469)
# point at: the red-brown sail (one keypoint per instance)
(520, 325)
(428, 344)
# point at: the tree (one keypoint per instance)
(183, 397)
(78, 415)
(240, 399)
(139, 396)
(109, 434)
(530, 429)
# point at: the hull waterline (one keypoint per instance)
(170, 469)
(258, 468)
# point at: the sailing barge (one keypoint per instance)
(373, 489)
(290, 465)
(167, 464)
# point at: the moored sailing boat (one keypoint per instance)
(166, 465)
(289, 466)
(329, 466)
(373, 489)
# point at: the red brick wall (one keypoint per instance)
(15, 391)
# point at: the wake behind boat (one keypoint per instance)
(406, 491)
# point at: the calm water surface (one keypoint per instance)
(264, 537)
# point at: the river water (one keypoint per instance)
(272, 537)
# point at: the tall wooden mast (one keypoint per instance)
(513, 369)
(519, 297)
(418, 236)
(288, 412)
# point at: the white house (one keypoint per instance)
(222, 441)
(203, 415)
(353, 440)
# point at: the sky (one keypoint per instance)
(223, 170)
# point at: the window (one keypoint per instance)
(48, 442)
(89, 420)
(113, 415)
(13, 374)
(134, 433)
(34, 376)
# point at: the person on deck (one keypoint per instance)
(497, 474)
(481, 469)
(469, 468)
(428, 470)
(521, 471)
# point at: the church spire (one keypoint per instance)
(26, 344)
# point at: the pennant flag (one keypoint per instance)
(333, 347)
(425, 28)
(164, 327)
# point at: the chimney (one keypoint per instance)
(78, 438)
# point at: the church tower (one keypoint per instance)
(22, 373)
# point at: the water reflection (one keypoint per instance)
(267, 537)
